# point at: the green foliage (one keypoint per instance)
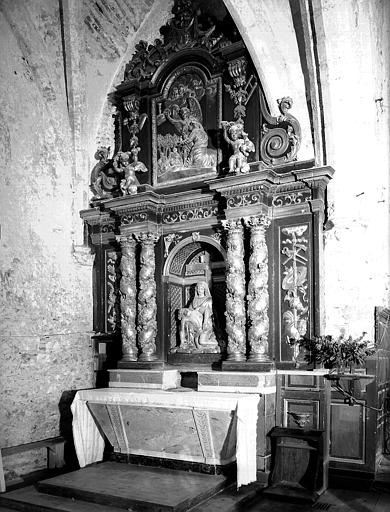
(337, 352)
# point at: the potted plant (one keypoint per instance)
(339, 354)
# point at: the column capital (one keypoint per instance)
(125, 240)
(232, 224)
(261, 221)
(147, 237)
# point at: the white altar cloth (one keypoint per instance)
(89, 442)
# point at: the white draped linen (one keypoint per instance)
(89, 441)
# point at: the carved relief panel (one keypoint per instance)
(294, 298)
(185, 121)
(112, 298)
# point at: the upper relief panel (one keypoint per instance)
(185, 123)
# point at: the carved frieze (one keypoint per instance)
(290, 198)
(295, 297)
(189, 214)
(244, 199)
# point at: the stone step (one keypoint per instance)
(138, 488)
(29, 499)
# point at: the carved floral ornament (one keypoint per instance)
(187, 29)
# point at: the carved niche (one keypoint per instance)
(196, 265)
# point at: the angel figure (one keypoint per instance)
(235, 136)
(121, 163)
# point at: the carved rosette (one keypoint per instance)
(147, 305)
(258, 297)
(127, 290)
(235, 290)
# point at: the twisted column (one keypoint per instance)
(258, 297)
(127, 289)
(147, 306)
(235, 290)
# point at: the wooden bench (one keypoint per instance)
(55, 454)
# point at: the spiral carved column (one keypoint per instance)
(258, 297)
(147, 306)
(235, 290)
(128, 298)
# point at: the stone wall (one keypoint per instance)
(354, 55)
(46, 303)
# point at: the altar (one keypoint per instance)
(206, 427)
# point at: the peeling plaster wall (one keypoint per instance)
(46, 303)
(112, 28)
(354, 54)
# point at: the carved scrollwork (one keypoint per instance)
(295, 285)
(291, 198)
(235, 290)
(258, 296)
(189, 215)
(127, 289)
(243, 200)
(134, 218)
(170, 239)
(281, 135)
(104, 181)
(147, 306)
(188, 28)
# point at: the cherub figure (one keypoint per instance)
(121, 163)
(235, 136)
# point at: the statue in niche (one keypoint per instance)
(196, 323)
(122, 165)
(235, 136)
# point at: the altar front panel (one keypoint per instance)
(200, 427)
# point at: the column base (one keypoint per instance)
(141, 365)
(147, 357)
(258, 358)
(247, 366)
(126, 358)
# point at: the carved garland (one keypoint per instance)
(235, 293)
(112, 280)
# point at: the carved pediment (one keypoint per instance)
(190, 27)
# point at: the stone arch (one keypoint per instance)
(275, 58)
(202, 238)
